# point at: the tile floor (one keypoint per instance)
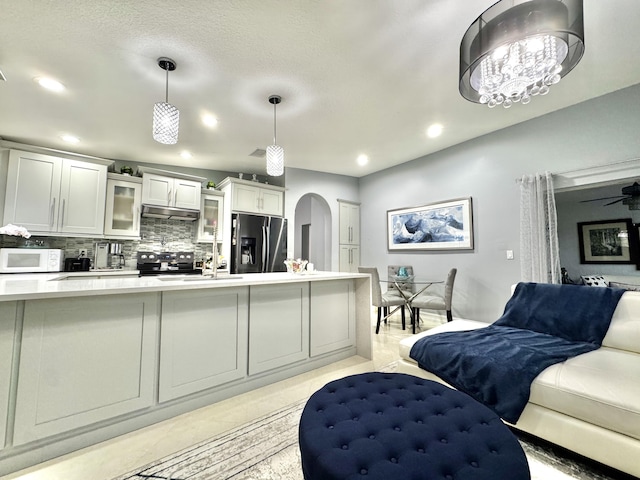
(120, 455)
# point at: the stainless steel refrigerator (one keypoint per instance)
(258, 243)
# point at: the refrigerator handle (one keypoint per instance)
(265, 249)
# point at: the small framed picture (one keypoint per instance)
(446, 225)
(607, 241)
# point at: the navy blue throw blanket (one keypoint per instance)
(542, 324)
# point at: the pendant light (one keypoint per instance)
(275, 153)
(166, 117)
(518, 49)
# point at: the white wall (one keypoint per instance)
(330, 187)
(592, 133)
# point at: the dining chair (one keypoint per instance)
(382, 300)
(406, 286)
(436, 302)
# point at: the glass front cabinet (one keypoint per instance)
(124, 197)
(211, 215)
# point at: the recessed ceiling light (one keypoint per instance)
(186, 154)
(209, 120)
(434, 130)
(362, 160)
(70, 138)
(49, 84)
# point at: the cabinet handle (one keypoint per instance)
(62, 221)
(51, 214)
(175, 197)
(169, 197)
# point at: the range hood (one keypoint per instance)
(170, 213)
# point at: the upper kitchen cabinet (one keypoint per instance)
(252, 197)
(170, 189)
(122, 215)
(349, 223)
(211, 216)
(55, 195)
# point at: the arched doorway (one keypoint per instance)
(312, 234)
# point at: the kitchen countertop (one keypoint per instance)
(61, 284)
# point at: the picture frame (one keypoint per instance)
(607, 241)
(446, 225)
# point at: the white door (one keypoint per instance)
(33, 191)
(82, 198)
(271, 202)
(211, 215)
(157, 190)
(246, 198)
(122, 214)
(186, 194)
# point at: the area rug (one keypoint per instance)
(267, 449)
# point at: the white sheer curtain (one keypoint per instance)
(539, 254)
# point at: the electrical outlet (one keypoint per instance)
(82, 252)
(509, 254)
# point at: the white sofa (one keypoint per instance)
(589, 404)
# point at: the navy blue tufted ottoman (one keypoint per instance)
(393, 426)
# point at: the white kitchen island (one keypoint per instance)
(83, 360)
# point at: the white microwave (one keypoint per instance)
(23, 260)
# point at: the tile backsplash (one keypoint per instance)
(156, 235)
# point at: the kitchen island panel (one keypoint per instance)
(84, 361)
(8, 319)
(333, 316)
(203, 342)
(279, 326)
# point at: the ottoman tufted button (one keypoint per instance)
(436, 414)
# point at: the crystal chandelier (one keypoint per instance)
(518, 48)
(275, 153)
(166, 117)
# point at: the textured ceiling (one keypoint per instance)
(356, 76)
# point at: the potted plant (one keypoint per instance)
(126, 170)
(211, 185)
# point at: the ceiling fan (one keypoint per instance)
(630, 197)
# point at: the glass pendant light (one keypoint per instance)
(166, 117)
(275, 153)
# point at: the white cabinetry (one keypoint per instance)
(203, 341)
(349, 223)
(349, 236)
(349, 258)
(279, 333)
(211, 215)
(84, 361)
(253, 197)
(333, 316)
(55, 195)
(122, 214)
(7, 332)
(169, 189)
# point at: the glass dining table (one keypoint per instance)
(417, 283)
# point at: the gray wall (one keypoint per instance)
(593, 133)
(327, 186)
(571, 211)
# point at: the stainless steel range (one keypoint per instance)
(167, 263)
